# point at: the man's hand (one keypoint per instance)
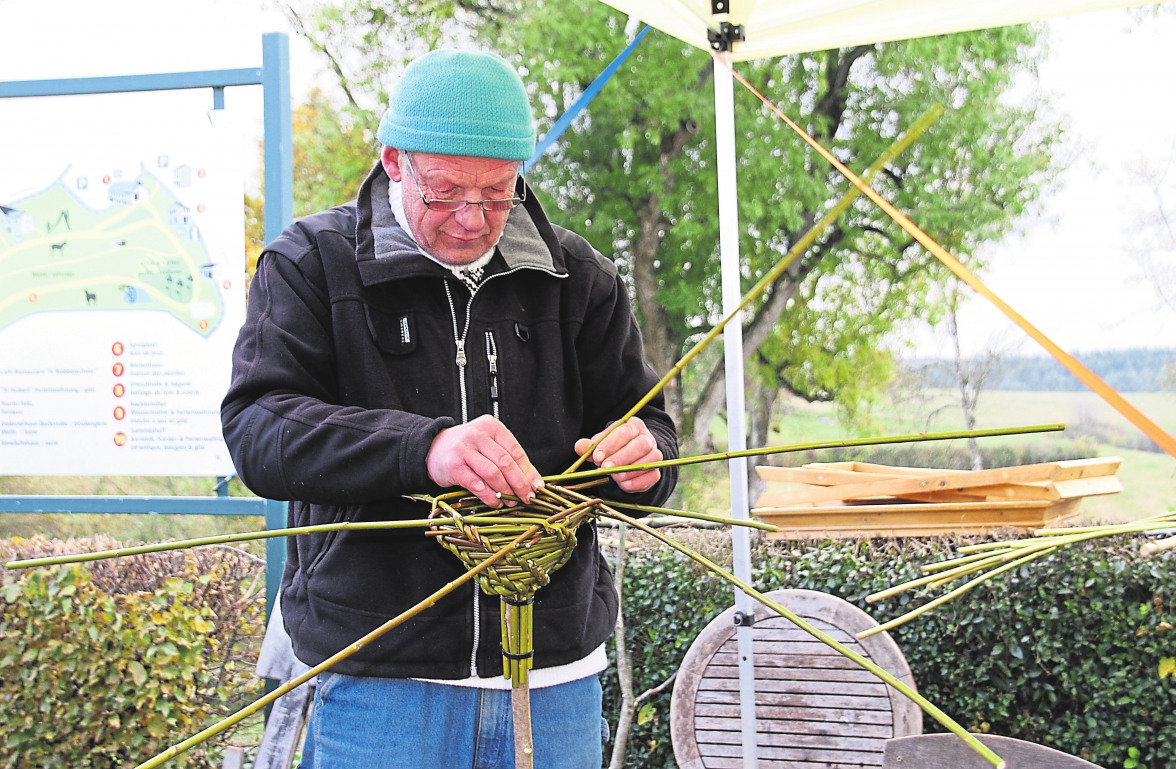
(629, 444)
(483, 457)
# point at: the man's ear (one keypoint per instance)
(390, 159)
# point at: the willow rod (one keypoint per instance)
(847, 443)
(927, 706)
(953, 594)
(695, 516)
(1011, 554)
(798, 248)
(294, 683)
(218, 539)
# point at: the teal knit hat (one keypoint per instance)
(469, 103)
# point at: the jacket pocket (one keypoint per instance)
(395, 333)
(323, 546)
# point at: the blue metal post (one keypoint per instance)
(279, 135)
(275, 552)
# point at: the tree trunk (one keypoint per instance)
(661, 349)
(761, 406)
(969, 389)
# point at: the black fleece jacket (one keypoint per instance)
(346, 370)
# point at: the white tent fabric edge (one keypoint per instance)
(779, 27)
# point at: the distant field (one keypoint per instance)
(1149, 477)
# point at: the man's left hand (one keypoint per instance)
(629, 444)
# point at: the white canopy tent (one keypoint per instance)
(766, 29)
(779, 27)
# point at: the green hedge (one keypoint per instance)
(106, 669)
(1072, 651)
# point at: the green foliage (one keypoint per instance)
(106, 669)
(1070, 651)
(334, 148)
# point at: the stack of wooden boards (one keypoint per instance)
(858, 499)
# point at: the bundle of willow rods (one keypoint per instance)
(994, 558)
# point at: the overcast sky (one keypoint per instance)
(1076, 274)
(1073, 274)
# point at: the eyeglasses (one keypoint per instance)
(494, 205)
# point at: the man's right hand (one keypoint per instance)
(484, 458)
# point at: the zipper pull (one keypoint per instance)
(461, 356)
(492, 357)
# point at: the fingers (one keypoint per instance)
(484, 458)
(629, 444)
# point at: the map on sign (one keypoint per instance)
(122, 276)
(142, 251)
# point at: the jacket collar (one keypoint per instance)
(385, 251)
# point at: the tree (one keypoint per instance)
(1153, 237)
(334, 148)
(636, 173)
(970, 374)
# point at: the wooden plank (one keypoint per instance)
(995, 514)
(997, 492)
(1061, 470)
(870, 467)
(920, 510)
(787, 699)
(780, 726)
(839, 717)
(728, 762)
(791, 755)
(773, 668)
(284, 728)
(816, 476)
(769, 740)
(929, 751)
(1073, 469)
(797, 686)
(735, 762)
(927, 481)
(1088, 487)
(909, 530)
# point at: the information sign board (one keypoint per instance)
(122, 283)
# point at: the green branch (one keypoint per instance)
(848, 443)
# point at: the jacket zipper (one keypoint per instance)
(492, 358)
(459, 339)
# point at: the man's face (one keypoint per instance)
(457, 237)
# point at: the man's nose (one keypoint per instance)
(472, 217)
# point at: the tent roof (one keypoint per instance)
(779, 27)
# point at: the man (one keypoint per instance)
(439, 332)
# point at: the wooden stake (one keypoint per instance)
(520, 705)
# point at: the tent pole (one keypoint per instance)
(736, 422)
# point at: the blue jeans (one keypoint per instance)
(393, 723)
